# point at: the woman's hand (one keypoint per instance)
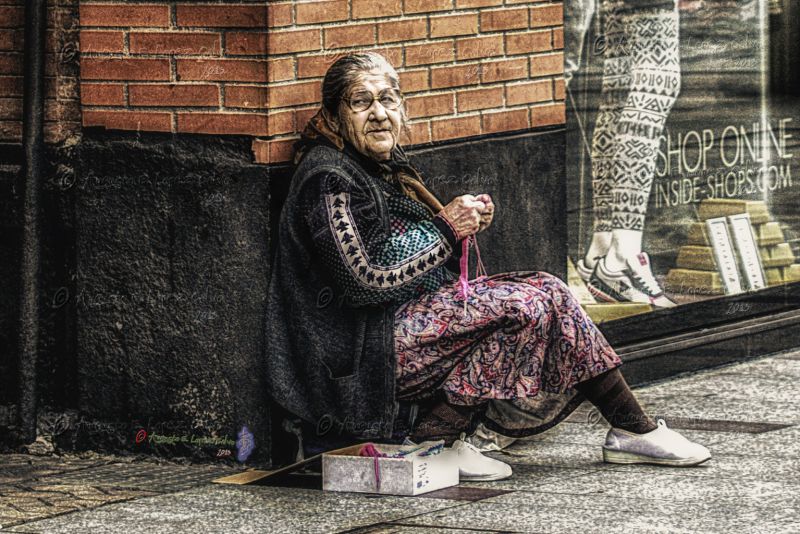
(464, 214)
(488, 212)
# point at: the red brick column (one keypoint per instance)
(467, 67)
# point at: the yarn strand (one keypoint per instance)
(463, 279)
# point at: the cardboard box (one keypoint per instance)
(345, 470)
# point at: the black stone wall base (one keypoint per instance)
(172, 248)
(524, 174)
(10, 250)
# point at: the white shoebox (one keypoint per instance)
(345, 470)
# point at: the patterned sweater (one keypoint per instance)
(371, 264)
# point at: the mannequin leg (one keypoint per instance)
(622, 245)
(652, 38)
(614, 93)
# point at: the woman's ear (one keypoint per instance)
(333, 122)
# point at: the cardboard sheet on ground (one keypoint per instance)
(344, 470)
(261, 477)
(411, 474)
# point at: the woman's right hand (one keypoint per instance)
(464, 214)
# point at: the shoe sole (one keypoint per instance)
(622, 457)
(605, 297)
(486, 478)
(585, 276)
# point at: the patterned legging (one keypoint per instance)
(641, 80)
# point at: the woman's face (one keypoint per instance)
(374, 131)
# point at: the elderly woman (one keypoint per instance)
(365, 308)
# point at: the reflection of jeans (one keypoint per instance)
(577, 17)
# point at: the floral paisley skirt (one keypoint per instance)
(522, 346)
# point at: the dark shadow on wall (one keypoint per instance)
(56, 378)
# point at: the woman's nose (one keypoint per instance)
(378, 111)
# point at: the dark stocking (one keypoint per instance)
(611, 395)
(445, 421)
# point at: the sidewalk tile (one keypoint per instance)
(257, 509)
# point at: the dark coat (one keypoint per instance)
(330, 356)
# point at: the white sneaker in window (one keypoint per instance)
(584, 271)
(474, 466)
(634, 283)
(662, 446)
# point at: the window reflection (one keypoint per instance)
(682, 121)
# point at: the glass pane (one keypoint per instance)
(681, 174)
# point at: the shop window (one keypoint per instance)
(682, 158)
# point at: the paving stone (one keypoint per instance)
(16, 467)
(671, 485)
(385, 528)
(560, 483)
(753, 409)
(581, 433)
(569, 455)
(606, 512)
(154, 477)
(789, 356)
(566, 517)
(220, 508)
(38, 487)
(778, 444)
(742, 468)
(731, 386)
(780, 368)
(529, 477)
(31, 501)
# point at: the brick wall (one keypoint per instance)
(467, 67)
(62, 109)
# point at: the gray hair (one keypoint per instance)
(344, 73)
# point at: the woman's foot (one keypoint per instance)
(445, 421)
(474, 466)
(662, 446)
(486, 440)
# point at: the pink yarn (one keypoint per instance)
(370, 450)
(463, 278)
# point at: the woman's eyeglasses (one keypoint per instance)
(362, 100)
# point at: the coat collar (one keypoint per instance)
(396, 170)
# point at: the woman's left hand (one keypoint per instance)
(488, 213)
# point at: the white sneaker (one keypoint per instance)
(662, 446)
(474, 466)
(635, 283)
(486, 440)
(584, 271)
